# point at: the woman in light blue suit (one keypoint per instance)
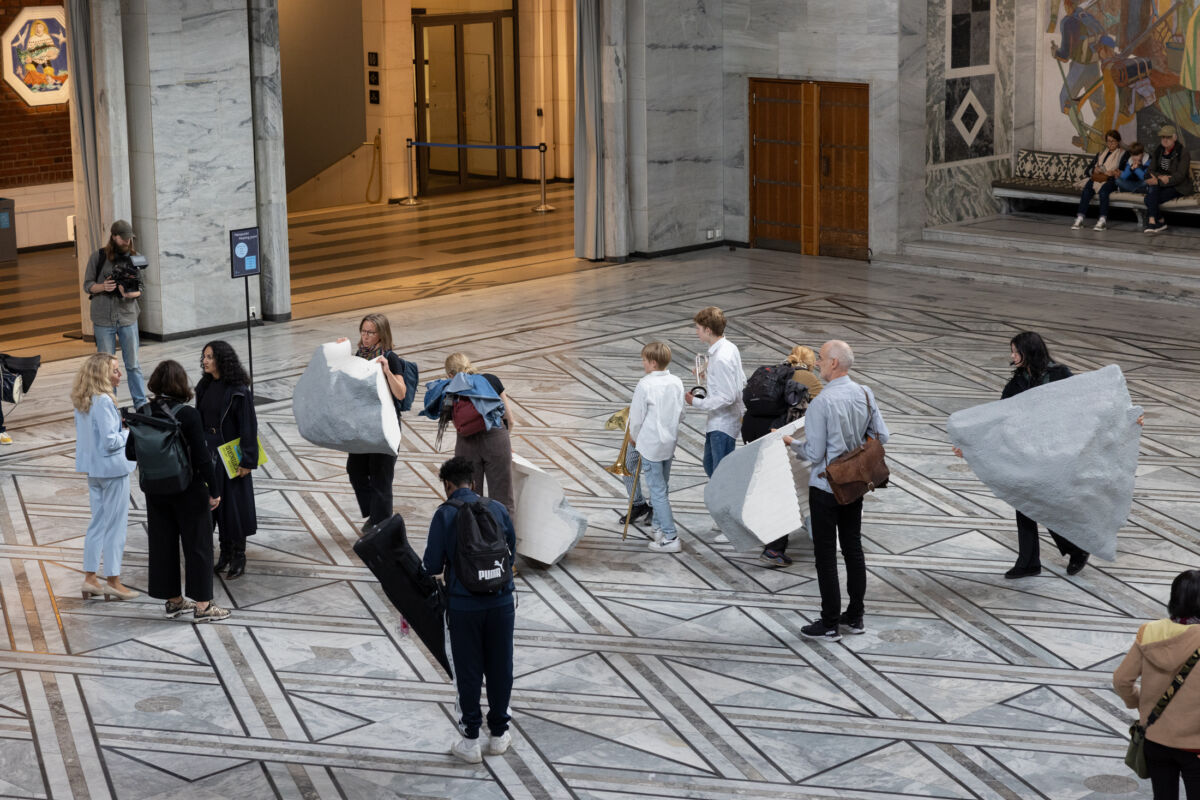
(100, 452)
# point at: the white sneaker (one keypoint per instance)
(1101, 225)
(498, 745)
(720, 538)
(1078, 224)
(656, 534)
(467, 750)
(671, 545)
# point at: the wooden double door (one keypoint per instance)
(810, 167)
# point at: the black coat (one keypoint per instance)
(236, 517)
(1022, 380)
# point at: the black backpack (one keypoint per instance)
(482, 561)
(164, 466)
(411, 377)
(764, 395)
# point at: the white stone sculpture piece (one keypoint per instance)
(547, 526)
(759, 492)
(343, 402)
(1063, 454)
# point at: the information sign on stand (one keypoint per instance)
(243, 260)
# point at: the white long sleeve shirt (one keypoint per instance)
(726, 379)
(655, 414)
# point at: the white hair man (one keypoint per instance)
(837, 421)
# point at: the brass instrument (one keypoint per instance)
(616, 422)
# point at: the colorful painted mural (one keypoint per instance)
(35, 55)
(1126, 64)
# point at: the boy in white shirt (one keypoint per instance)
(654, 417)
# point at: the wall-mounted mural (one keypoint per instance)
(1125, 64)
(35, 56)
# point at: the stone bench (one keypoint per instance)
(1051, 177)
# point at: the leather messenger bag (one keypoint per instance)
(856, 472)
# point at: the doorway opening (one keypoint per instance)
(466, 94)
(810, 167)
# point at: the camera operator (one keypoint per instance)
(112, 283)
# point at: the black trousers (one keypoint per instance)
(481, 645)
(371, 475)
(831, 524)
(171, 522)
(1167, 765)
(1029, 547)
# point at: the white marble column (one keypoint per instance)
(270, 180)
(191, 143)
(613, 66)
(108, 134)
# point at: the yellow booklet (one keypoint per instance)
(231, 455)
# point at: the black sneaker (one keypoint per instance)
(640, 510)
(1024, 572)
(854, 626)
(1076, 565)
(819, 630)
(775, 558)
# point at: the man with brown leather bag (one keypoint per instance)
(843, 422)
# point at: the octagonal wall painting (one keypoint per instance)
(35, 56)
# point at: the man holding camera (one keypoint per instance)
(113, 286)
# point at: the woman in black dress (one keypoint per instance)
(1033, 367)
(226, 407)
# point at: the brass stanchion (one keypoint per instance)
(411, 200)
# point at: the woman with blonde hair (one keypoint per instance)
(100, 452)
(490, 452)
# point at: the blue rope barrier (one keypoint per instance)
(478, 146)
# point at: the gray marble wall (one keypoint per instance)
(191, 140)
(959, 170)
(675, 121)
(877, 42)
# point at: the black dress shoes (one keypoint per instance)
(1024, 572)
(1077, 563)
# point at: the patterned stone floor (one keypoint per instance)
(638, 675)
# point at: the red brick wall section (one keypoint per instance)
(35, 142)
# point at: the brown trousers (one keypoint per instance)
(490, 453)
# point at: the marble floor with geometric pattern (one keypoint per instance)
(639, 675)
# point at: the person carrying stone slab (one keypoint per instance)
(654, 417)
(371, 474)
(723, 381)
(835, 424)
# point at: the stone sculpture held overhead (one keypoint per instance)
(1063, 454)
(343, 402)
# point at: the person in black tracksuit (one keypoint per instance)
(1033, 367)
(226, 406)
(184, 518)
(480, 626)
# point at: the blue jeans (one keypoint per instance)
(717, 445)
(631, 463)
(106, 342)
(1157, 194)
(1085, 199)
(657, 474)
(1131, 185)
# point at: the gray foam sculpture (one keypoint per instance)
(1063, 454)
(547, 526)
(343, 402)
(759, 492)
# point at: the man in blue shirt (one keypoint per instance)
(480, 626)
(835, 423)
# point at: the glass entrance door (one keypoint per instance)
(466, 95)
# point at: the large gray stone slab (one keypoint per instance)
(343, 402)
(1063, 454)
(547, 526)
(759, 492)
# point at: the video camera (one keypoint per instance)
(126, 267)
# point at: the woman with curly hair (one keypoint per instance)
(100, 452)
(226, 406)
